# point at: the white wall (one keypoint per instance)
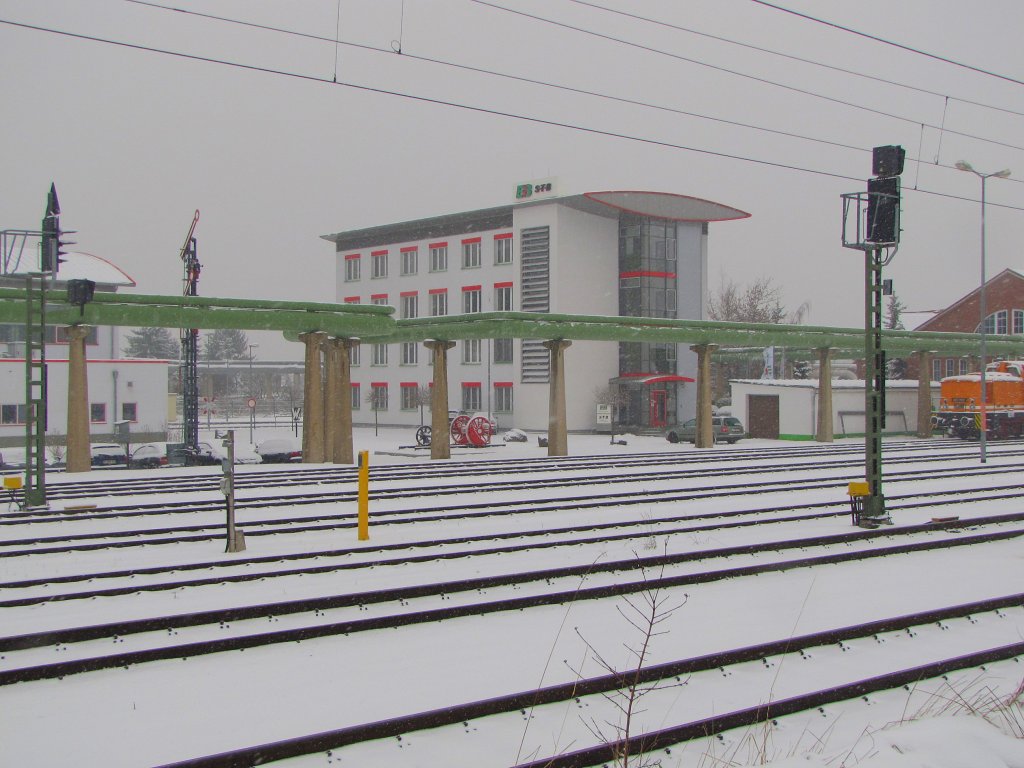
(143, 382)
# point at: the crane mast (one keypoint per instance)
(190, 346)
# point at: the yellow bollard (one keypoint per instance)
(364, 495)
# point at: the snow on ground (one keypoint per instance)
(158, 713)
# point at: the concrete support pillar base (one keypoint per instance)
(704, 436)
(440, 445)
(824, 429)
(924, 394)
(313, 400)
(558, 439)
(79, 457)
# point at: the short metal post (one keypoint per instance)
(236, 539)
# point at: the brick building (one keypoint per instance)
(1004, 307)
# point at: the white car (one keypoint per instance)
(215, 453)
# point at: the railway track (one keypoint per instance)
(485, 569)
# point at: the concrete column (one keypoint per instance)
(79, 458)
(332, 376)
(343, 451)
(440, 446)
(312, 400)
(924, 394)
(704, 436)
(558, 440)
(824, 430)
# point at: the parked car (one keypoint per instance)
(279, 450)
(148, 456)
(724, 429)
(215, 453)
(108, 455)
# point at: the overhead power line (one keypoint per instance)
(737, 73)
(800, 59)
(883, 41)
(466, 107)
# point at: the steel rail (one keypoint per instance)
(241, 642)
(390, 728)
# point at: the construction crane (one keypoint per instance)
(190, 346)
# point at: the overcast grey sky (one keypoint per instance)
(136, 140)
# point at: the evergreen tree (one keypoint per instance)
(152, 342)
(226, 344)
(896, 368)
(801, 369)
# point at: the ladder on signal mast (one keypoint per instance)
(35, 391)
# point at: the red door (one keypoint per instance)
(659, 398)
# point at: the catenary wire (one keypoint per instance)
(470, 108)
(737, 73)
(791, 57)
(882, 40)
(548, 84)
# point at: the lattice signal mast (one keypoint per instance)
(190, 345)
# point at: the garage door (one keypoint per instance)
(763, 413)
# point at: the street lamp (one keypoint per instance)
(252, 395)
(965, 166)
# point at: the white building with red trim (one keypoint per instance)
(599, 253)
(120, 389)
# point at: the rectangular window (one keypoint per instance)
(379, 397)
(13, 414)
(352, 262)
(950, 366)
(503, 397)
(503, 249)
(380, 263)
(471, 299)
(98, 413)
(356, 399)
(471, 351)
(503, 350)
(1018, 321)
(410, 305)
(936, 370)
(353, 355)
(503, 297)
(380, 354)
(439, 303)
(410, 396)
(1001, 318)
(379, 298)
(963, 366)
(410, 260)
(129, 412)
(410, 353)
(351, 299)
(471, 253)
(471, 396)
(438, 257)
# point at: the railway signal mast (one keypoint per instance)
(190, 346)
(875, 229)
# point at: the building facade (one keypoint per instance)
(1004, 309)
(601, 253)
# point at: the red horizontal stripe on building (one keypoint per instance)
(471, 383)
(504, 236)
(438, 245)
(667, 275)
(471, 240)
(437, 290)
(351, 299)
(350, 256)
(503, 285)
(379, 253)
(375, 296)
(471, 287)
(408, 248)
(503, 383)
(403, 294)
(378, 384)
(408, 384)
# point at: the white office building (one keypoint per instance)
(599, 253)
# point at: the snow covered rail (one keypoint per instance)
(13, 671)
(521, 702)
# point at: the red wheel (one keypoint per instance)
(459, 426)
(479, 431)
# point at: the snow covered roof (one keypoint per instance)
(836, 383)
(86, 266)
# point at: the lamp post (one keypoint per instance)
(252, 395)
(965, 166)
